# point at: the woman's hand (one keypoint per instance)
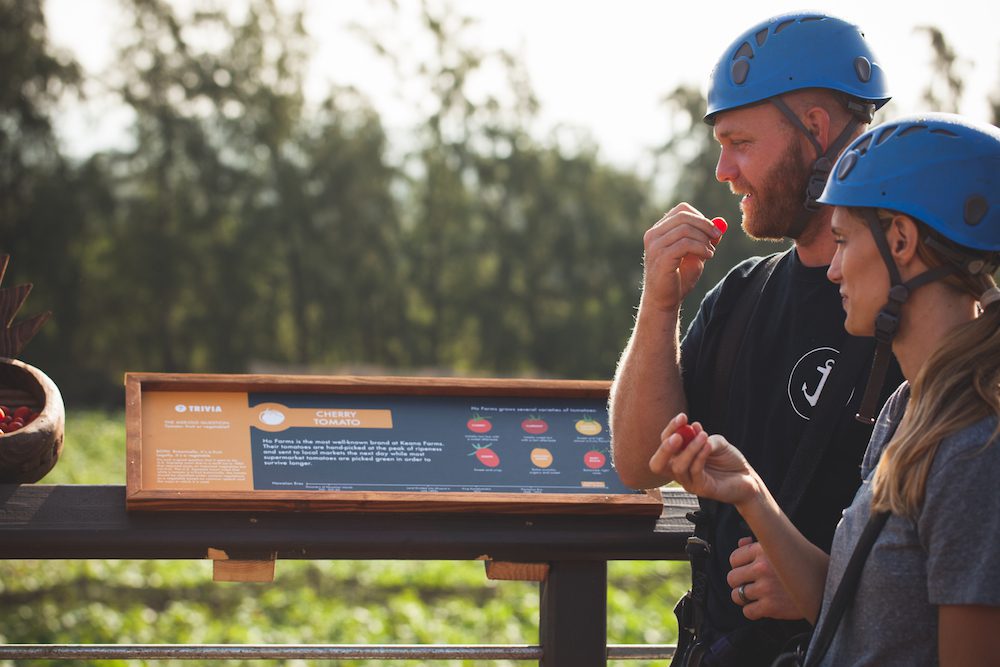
(752, 572)
(707, 466)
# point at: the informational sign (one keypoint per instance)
(209, 442)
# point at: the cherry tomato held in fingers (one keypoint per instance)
(687, 434)
(722, 226)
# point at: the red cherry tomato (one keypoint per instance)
(687, 434)
(720, 224)
(21, 411)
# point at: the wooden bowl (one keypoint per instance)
(29, 453)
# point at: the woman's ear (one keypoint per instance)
(902, 237)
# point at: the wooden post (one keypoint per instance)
(573, 628)
(507, 571)
(224, 569)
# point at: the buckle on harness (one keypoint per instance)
(697, 547)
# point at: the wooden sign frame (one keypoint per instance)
(143, 492)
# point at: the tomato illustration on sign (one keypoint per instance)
(594, 459)
(541, 457)
(486, 456)
(534, 426)
(479, 424)
(588, 426)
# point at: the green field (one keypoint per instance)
(309, 602)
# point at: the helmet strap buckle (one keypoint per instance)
(821, 169)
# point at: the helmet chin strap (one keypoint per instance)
(823, 165)
(887, 320)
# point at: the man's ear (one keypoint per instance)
(817, 121)
(902, 236)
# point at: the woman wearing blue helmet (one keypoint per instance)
(917, 226)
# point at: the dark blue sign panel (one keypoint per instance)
(410, 443)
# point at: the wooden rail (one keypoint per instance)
(78, 522)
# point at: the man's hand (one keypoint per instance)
(676, 248)
(760, 585)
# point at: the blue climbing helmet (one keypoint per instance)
(795, 51)
(942, 170)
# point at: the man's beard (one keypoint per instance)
(774, 206)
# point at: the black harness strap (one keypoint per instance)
(690, 610)
(847, 586)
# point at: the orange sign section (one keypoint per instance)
(277, 417)
(196, 440)
(200, 440)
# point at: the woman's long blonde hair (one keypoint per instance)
(957, 386)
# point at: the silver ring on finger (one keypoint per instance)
(741, 591)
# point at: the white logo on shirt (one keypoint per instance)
(809, 377)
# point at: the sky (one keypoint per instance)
(600, 66)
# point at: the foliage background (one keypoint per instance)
(246, 230)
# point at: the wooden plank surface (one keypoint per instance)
(351, 384)
(78, 521)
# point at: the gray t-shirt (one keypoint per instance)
(947, 556)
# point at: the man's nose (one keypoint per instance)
(725, 169)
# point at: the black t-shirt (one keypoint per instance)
(789, 348)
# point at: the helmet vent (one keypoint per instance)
(864, 144)
(885, 134)
(847, 164)
(784, 24)
(863, 69)
(761, 37)
(975, 210)
(739, 72)
(944, 133)
(911, 130)
(806, 19)
(745, 51)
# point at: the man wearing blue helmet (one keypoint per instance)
(911, 578)
(766, 361)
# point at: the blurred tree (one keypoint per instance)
(945, 84)
(248, 226)
(34, 78)
(514, 248)
(41, 217)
